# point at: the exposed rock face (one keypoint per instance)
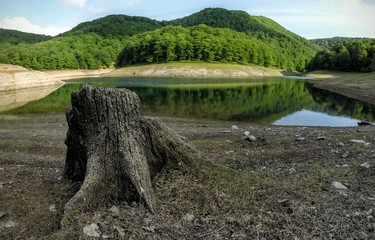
(15, 77)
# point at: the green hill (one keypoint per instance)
(115, 26)
(17, 37)
(240, 38)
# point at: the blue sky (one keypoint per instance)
(310, 19)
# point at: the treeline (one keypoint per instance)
(119, 26)
(329, 43)
(204, 43)
(357, 56)
(83, 51)
(16, 37)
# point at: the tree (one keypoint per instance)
(115, 150)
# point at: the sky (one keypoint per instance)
(309, 19)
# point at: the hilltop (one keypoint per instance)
(17, 37)
(98, 43)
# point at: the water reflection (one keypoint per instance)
(254, 100)
(17, 98)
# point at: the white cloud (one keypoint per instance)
(79, 3)
(96, 9)
(24, 25)
(349, 18)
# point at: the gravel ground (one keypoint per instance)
(275, 183)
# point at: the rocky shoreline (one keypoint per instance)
(15, 78)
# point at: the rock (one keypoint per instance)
(52, 208)
(92, 230)
(9, 224)
(365, 165)
(234, 127)
(300, 139)
(251, 138)
(359, 142)
(320, 138)
(338, 186)
(292, 170)
(341, 144)
(2, 214)
(115, 210)
(121, 231)
(226, 131)
(2, 169)
(246, 133)
(345, 154)
(345, 165)
(189, 217)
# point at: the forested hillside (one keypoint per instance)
(81, 51)
(204, 43)
(329, 43)
(227, 36)
(16, 37)
(357, 56)
(258, 26)
(116, 26)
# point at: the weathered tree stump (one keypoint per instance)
(115, 150)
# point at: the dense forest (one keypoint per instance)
(329, 43)
(356, 56)
(204, 43)
(16, 37)
(118, 26)
(82, 51)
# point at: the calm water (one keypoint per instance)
(279, 101)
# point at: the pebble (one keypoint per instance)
(9, 224)
(365, 165)
(360, 142)
(92, 230)
(121, 231)
(338, 186)
(226, 131)
(2, 214)
(246, 133)
(300, 139)
(2, 169)
(320, 138)
(52, 208)
(234, 127)
(189, 217)
(345, 154)
(250, 138)
(341, 144)
(115, 210)
(292, 170)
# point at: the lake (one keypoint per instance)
(278, 101)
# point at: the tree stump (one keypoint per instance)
(115, 150)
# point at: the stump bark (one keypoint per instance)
(115, 150)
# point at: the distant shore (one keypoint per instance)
(79, 73)
(188, 69)
(360, 86)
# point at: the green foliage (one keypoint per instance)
(204, 43)
(17, 37)
(115, 26)
(84, 51)
(233, 36)
(329, 43)
(356, 56)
